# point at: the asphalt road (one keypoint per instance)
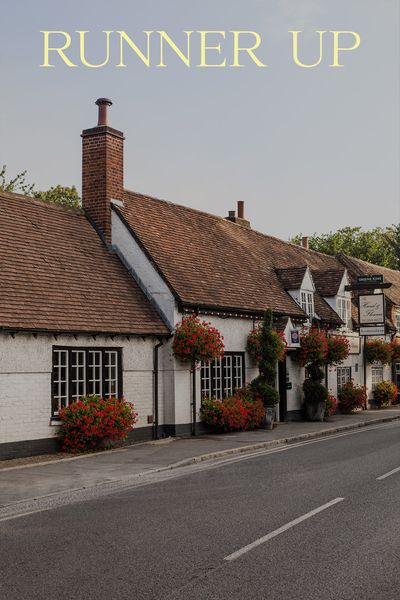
(310, 521)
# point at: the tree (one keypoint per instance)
(380, 246)
(67, 196)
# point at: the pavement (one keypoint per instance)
(32, 481)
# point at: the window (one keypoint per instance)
(221, 378)
(398, 323)
(85, 371)
(343, 376)
(307, 303)
(377, 376)
(344, 311)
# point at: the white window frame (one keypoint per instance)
(343, 376)
(343, 306)
(221, 378)
(307, 303)
(376, 376)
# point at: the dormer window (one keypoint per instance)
(307, 303)
(344, 311)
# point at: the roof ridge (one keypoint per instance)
(39, 201)
(225, 220)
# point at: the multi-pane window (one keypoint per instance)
(376, 376)
(307, 303)
(85, 371)
(344, 311)
(343, 376)
(398, 322)
(220, 378)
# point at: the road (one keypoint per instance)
(315, 520)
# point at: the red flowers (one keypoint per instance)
(379, 351)
(197, 341)
(314, 346)
(338, 349)
(91, 419)
(233, 414)
(352, 396)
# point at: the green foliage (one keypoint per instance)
(379, 245)
(269, 352)
(66, 196)
(314, 391)
(268, 393)
(385, 393)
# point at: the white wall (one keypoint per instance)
(143, 270)
(25, 380)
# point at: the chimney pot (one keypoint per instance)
(240, 209)
(231, 214)
(305, 242)
(103, 104)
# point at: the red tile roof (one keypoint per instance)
(57, 275)
(210, 262)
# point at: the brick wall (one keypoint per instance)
(102, 174)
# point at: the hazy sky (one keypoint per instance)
(307, 149)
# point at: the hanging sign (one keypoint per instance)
(371, 309)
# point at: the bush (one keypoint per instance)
(233, 414)
(352, 396)
(314, 392)
(385, 393)
(91, 419)
(395, 347)
(331, 406)
(197, 341)
(379, 351)
(277, 342)
(268, 394)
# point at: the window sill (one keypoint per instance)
(55, 422)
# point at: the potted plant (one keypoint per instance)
(269, 347)
(378, 351)
(314, 352)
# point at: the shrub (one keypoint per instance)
(331, 406)
(91, 419)
(239, 412)
(268, 394)
(379, 351)
(314, 392)
(338, 349)
(352, 396)
(385, 393)
(277, 340)
(197, 341)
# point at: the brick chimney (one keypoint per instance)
(240, 215)
(305, 242)
(102, 170)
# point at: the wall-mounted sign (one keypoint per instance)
(372, 330)
(371, 309)
(294, 338)
(370, 279)
(289, 385)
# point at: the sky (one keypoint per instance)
(308, 149)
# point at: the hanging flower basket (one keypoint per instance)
(197, 341)
(338, 349)
(253, 346)
(379, 351)
(314, 346)
(395, 347)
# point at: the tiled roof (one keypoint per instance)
(57, 275)
(325, 312)
(328, 282)
(291, 278)
(209, 261)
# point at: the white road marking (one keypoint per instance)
(282, 529)
(388, 474)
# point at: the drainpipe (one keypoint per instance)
(194, 407)
(155, 374)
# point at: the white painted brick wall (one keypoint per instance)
(25, 380)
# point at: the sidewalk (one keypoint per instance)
(19, 483)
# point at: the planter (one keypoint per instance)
(315, 411)
(269, 417)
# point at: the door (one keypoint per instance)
(282, 390)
